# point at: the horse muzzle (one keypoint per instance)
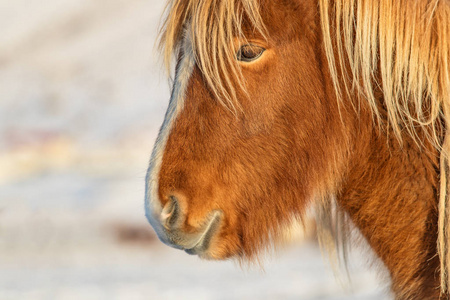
(168, 226)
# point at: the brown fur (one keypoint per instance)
(390, 194)
(294, 143)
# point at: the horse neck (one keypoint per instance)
(391, 196)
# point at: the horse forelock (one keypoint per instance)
(214, 26)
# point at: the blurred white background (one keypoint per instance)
(82, 95)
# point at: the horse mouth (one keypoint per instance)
(203, 243)
(170, 232)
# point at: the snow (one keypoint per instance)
(82, 96)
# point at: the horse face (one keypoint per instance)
(223, 184)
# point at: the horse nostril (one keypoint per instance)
(170, 213)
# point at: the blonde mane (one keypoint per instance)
(400, 48)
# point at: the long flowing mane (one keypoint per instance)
(399, 49)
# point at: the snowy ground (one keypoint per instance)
(82, 95)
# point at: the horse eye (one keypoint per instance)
(248, 53)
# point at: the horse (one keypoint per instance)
(281, 106)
